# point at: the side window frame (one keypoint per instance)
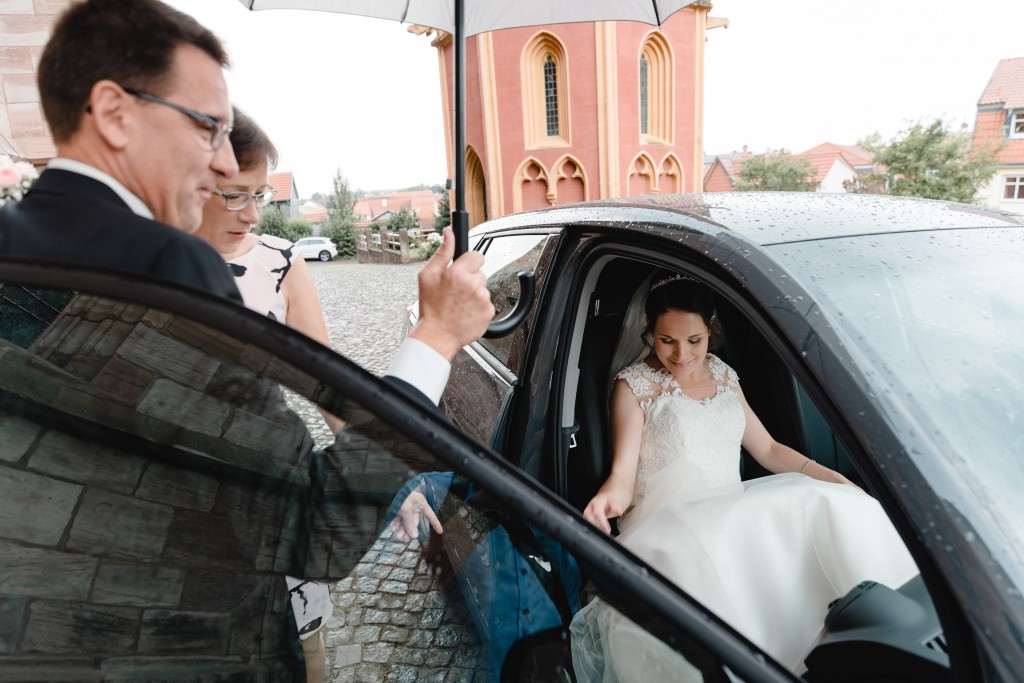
(507, 354)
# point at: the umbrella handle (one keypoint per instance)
(505, 326)
(527, 283)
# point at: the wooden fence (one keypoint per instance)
(385, 246)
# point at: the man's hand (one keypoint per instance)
(406, 524)
(455, 306)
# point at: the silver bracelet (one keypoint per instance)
(809, 462)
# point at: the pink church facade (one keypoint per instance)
(572, 112)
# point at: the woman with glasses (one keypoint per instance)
(273, 280)
(277, 283)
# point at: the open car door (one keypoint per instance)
(164, 465)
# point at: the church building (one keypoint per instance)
(570, 112)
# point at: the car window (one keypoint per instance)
(504, 257)
(161, 473)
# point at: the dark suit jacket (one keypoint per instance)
(72, 219)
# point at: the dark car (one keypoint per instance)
(163, 463)
(881, 336)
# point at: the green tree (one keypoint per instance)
(340, 217)
(272, 222)
(296, 228)
(443, 218)
(403, 219)
(774, 171)
(930, 161)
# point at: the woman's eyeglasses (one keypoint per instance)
(236, 201)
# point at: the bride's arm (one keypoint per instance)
(616, 493)
(776, 457)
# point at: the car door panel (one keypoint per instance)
(484, 373)
(478, 389)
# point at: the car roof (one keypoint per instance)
(772, 217)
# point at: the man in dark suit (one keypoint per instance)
(135, 97)
(136, 101)
(132, 170)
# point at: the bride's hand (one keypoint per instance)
(601, 508)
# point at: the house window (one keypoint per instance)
(543, 68)
(644, 127)
(1014, 187)
(551, 95)
(1017, 124)
(656, 91)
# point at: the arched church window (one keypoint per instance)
(551, 95)
(644, 127)
(656, 91)
(544, 68)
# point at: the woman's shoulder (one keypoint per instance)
(722, 371)
(641, 378)
(275, 242)
(637, 369)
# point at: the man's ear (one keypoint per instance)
(112, 111)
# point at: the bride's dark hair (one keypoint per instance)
(672, 291)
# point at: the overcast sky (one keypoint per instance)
(363, 94)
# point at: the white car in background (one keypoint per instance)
(319, 248)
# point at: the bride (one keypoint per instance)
(767, 556)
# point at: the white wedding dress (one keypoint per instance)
(767, 556)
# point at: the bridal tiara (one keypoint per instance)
(667, 280)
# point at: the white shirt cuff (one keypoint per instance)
(421, 366)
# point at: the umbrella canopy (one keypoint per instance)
(463, 18)
(489, 15)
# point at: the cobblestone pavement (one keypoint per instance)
(364, 307)
(394, 618)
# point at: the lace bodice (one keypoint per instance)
(704, 435)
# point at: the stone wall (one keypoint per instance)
(152, 481)
(24, 30)
(110, 550)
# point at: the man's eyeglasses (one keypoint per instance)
(236, 201)
(219, 130)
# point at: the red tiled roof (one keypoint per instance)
(282, 182)
(717, 180)
(851, 154)
(1006, 86)
(312, 211)
(423, 203)
(731, 165)
(988, 130)
(720, 170)
(824, 156)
